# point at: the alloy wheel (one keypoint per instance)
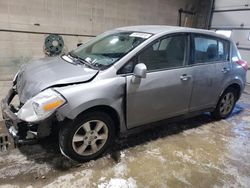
(227, 103)
(90, 137)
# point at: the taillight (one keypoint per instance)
(243, 64)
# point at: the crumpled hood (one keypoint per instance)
(47, 72)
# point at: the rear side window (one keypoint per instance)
(210, 49)
(223, 50)
(235, 54)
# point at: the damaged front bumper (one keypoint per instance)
(22, 132)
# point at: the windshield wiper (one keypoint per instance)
(73, 55)
(86, 63)
(81, 60)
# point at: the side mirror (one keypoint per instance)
(140, 70)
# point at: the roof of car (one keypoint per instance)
(157, 29)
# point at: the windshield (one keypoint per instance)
(105, 50)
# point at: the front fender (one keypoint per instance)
(80, 97)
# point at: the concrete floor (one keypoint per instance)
(198, 152)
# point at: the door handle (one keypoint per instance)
(225, 70)
(185, 77)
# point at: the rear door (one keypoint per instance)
(166, 90)
(211, 70)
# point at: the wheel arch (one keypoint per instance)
(236, 86)
(105, 109)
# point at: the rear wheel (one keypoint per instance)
(88, 137)
(226, 104)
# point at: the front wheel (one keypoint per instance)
(225, 105)
(88, 137)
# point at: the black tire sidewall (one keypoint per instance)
(217, 114)
(68, 130)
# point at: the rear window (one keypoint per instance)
(210, 49)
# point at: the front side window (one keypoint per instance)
(209, 49)
(108, 49)
(169, 52)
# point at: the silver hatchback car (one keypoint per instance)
(121, 80)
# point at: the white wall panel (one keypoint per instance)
(241, 37)
(231, 19)
(244, 54)
(231, 4)
(234, 15)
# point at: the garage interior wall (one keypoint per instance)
(24, 24)
(234, 16)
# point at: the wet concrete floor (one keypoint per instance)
(197, 152)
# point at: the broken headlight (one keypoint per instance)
(41, 106)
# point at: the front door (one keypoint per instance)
(166, 90)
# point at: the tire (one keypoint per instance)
(226, 104)
(88, 137)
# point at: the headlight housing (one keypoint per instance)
(41, 106)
